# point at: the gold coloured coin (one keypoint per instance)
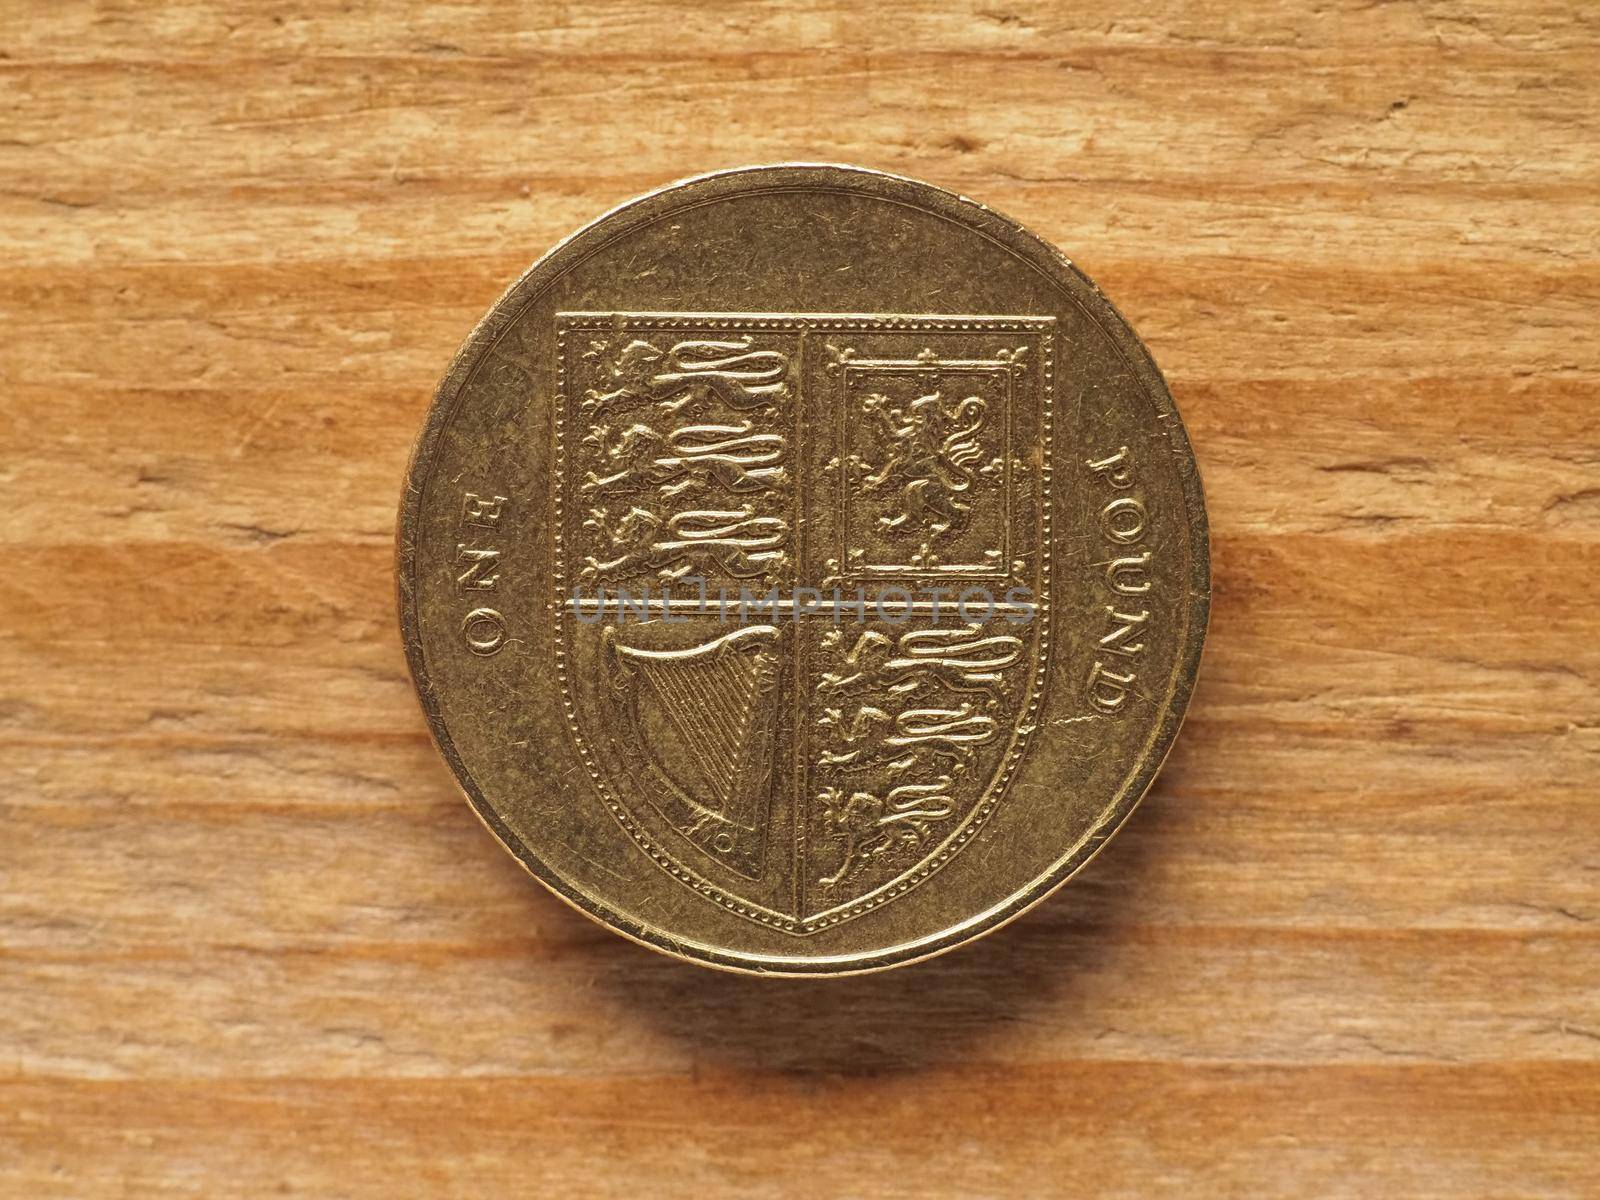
(803, 569)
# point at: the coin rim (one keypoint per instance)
(1012, 236)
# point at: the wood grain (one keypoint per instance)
(251, 940)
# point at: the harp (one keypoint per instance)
(703, 717)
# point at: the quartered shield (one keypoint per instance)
(802, 573)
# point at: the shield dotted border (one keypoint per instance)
(953, 843)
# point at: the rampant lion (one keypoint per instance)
(933, 449)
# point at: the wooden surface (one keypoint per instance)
(252, 941)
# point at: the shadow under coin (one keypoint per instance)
(908, 1017)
